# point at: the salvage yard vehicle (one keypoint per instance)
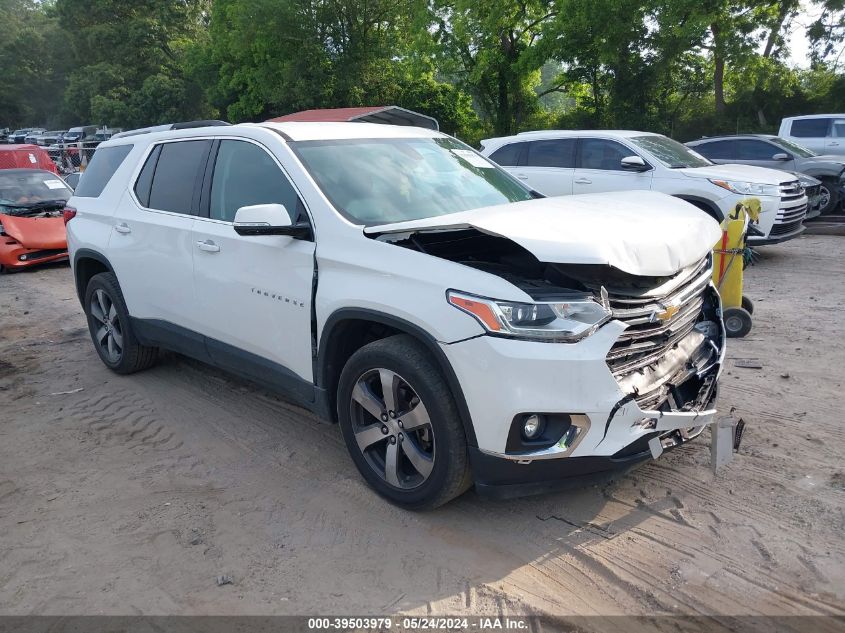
(564, 162)
(18, 136)
(766, 150)
(822, 133)
(458, 327)
(32, 229)
(26, 157)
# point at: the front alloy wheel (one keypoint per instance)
(392, 428)
(108, 332)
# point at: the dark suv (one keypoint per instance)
(765, 150)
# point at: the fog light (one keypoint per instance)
(532, 426)
(22, 258)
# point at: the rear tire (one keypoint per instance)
(111, 329)
(409, 445)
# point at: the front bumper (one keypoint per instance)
(505, 378)
(775, 239)
(11, 252)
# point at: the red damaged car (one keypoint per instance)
(32, 227)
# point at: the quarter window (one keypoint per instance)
(551, 153)
(174, 180)
(245, 174)
(810, 128)
(103, 165)
(599, 153)
(507, 156)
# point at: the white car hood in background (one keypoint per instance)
(743, 173)
(640, 232)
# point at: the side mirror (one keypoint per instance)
(269, 219)
(634, 163)
(780, 156)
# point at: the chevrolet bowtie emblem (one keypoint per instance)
(664, 315)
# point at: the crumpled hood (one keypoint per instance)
(47, 233)
(744, 173)
(828, 160)
(639, 232)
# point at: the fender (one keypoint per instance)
(820, 172)
(323, 366)
(87, 253)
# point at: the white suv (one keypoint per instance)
(393, 280)
(561, 163)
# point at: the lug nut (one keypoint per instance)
(401, 426)
(393, 414)
(401, 437)
(384, 430)
(392, 440)
(384, 417)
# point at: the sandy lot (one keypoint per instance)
(132, 495)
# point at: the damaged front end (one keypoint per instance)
(666, 361)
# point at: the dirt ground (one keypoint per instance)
(130, 495)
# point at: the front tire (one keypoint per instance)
(830, 197)
(111, 329)
(401, 424)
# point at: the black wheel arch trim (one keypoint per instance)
(87, 253)
(719, 216)
(323, 364)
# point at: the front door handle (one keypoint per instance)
(522, 176)
(208, 246)
(834, 144)
(583, 181)
(123, 227)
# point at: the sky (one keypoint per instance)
(797, 42)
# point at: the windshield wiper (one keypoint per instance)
(22, 209)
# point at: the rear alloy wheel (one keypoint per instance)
(110, 327)
(401, 424)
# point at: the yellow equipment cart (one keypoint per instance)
(728, 267)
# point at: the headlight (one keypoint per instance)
(560, 321)
(747, 188)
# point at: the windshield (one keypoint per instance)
(795, 148)
(380, 181)
(671, 153)
(21, 189)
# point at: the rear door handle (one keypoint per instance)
(834, 144)
(522, 176)
(208, 246)
(583, 181)
(123, 227)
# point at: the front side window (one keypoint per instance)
(599, 153)
(245, 174)
(755, 150)
(551, 153)
(379, 181)
(175, 175)
(838, 128)
(810, 128)
(670, 153)
(719, 150)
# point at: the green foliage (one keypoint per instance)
(681, 67)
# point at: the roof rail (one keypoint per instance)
(184, 125)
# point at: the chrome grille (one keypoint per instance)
(648, 338)
(792, 208)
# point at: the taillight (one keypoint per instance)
(68, 213)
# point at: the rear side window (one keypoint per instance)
(810, 128)
(103, 164)
(551, 153)
(174, 181)
(718, 150)
(507, 156)
(245, 174)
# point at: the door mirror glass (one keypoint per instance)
(780, 156)
(635, 163)
(262, 219)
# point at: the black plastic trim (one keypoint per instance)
(87, 253)
(756, 241)
(713, 212)
(323, 364)
(268, 374)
